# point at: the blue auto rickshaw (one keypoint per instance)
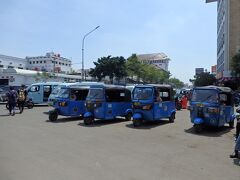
(106, 102)
(153, 103)
(69, 102)
(212, 106)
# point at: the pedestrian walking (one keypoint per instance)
(22, 97)
(12, 98)
(236, 149)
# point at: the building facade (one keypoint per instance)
(12, 62)
(50, 63)
(159, 60)
(228, 34)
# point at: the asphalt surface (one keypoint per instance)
(31, 148)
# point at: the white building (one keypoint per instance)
(159, 60)
(12, 62)
(50, 63)
(17, 77)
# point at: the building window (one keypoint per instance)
(44, 61)
(40, 62)
(1, 66)
(36, 62)
(30, 62)
(33, 62)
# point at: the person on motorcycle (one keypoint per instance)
(22, 97)
(12, 98)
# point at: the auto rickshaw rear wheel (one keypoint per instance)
(137, 122)
(128, 117)
(231, 124)
(198, 128)
(88, 120)
(53, 116)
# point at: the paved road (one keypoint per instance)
(31, 148)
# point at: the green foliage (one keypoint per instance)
(176, 83)
(204, 79)
(109, 66)
(43, 76)
(235, 65)
(147, 73)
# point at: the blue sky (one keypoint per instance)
(183, 29)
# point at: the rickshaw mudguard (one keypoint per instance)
(129, 111)
(198, 120)
(137, 116)
(88, 114)
(233, 117)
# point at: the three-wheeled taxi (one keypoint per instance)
(211, 105)
(106, 102)
(69, 102)
(153, 103)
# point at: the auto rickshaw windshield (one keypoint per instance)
(205, 95)
(95, 93)
(63, 93)
(56, 90)
(141, 93)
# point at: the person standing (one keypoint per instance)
(12, 99)
(22, 97)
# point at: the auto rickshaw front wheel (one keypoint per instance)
(88, 120)
(198, 128)
(137, 122)
(231, 124)
(53, 116)
(128, 116)
(172, 118)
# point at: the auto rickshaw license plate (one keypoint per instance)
(199, 105)
(136, 103)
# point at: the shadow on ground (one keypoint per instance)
(65, 119)
(236, 162)
(99, 123)
(210, 131)
(149, 124)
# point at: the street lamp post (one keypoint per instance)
(83, 50)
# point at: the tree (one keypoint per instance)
(109, 66)
(204, 79)
(43, 76)
(235, 65)
(145, 72)
(176, 83)
(134, 67)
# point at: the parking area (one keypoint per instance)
(31, 147)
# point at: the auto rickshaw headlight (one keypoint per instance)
(63, 104)
(147, 107)
(213, 110)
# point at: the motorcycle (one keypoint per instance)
(28, 103)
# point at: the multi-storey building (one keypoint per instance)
(228, 34)
(50, 62)
(12, 62)
(159, 60)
